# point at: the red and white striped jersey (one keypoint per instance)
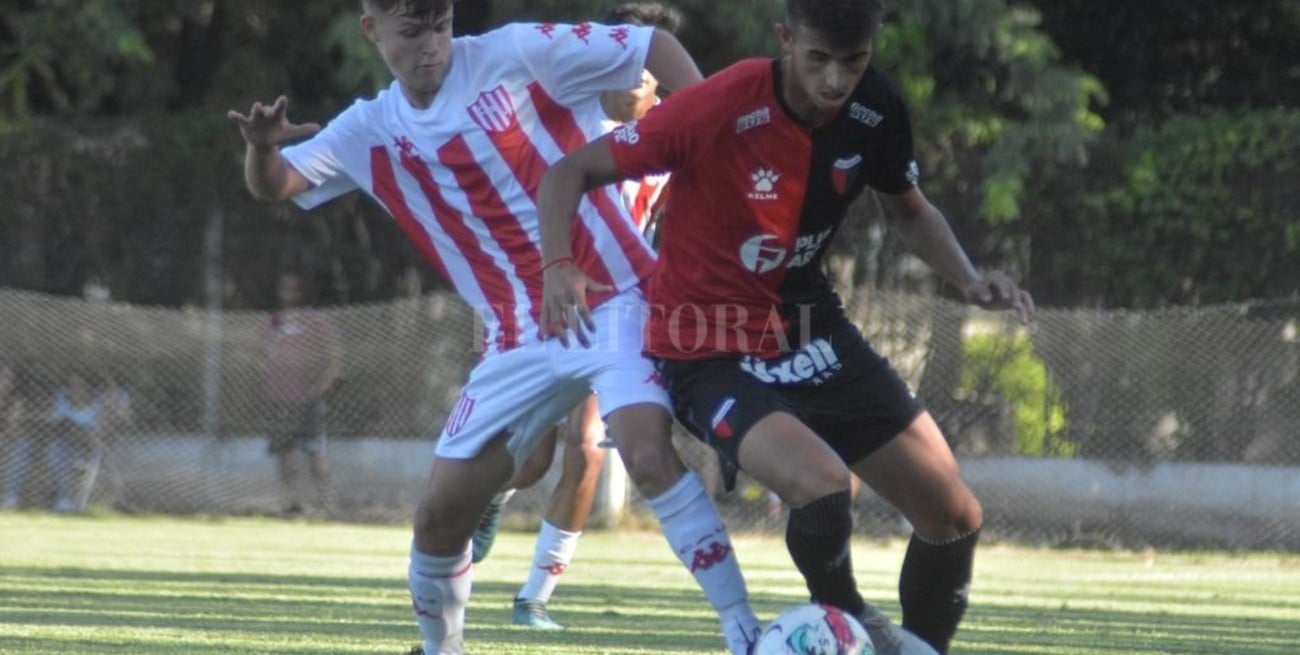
(461, 177)
(642, 195)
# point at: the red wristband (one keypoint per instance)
(558, 260)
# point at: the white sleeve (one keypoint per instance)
(322, 159)
(578, 61)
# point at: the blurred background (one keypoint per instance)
(1136, 165)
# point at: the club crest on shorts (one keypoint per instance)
(719, 424)
(460, 414)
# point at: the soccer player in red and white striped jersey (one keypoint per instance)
(455, 150)
(575, 491)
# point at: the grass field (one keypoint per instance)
(152, 586)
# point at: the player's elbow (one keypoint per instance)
(274, 183)
(263, 195)
(566, 177)
(261, 189)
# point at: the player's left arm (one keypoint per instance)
(670, 63)
(926, 233)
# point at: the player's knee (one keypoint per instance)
(653, 470)
(440, 528)
(799, 490)
(960, 513)
(970, 517)
(531, 471)
(588, 455)
(581, 468)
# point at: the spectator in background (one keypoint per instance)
(75, 441)
(303, 360)
(116, 400)
(16, 440)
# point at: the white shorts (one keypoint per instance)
(524, 391)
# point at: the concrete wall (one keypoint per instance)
(379, 479)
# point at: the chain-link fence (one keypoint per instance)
(1166, 428)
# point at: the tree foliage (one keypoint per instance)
(999, 368)
(1160, 59)
(1198, 210)
(1023, 112)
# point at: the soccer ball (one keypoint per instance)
(814, 630)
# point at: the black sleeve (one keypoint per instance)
(892, 166)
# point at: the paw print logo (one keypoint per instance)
(764, 180)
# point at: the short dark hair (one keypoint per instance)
(422, 9)
(652, 14)
(844, 23)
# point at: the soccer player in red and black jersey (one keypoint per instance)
(759, 358)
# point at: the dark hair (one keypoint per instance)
(421, 9)
(843, 23)
(651, 14)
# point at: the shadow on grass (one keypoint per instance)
(1009, 630)
(234, 609)
(76, 610)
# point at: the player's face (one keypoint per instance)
(819, 76)
(417, 50)
(626, 106)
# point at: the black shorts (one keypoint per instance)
(299, 426)
(837, 385)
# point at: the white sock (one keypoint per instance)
(700, 540)
(440, 589)
(554, 551)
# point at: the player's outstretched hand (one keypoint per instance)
(996, 290)
(266, 126)
(564, 302)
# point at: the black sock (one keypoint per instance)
(817, 536)
(933, 587)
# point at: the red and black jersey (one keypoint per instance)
(754, 200)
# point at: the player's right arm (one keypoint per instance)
(265, 129)
(564, 286)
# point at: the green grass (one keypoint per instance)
(153, 586)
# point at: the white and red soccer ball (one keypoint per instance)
(813, 629)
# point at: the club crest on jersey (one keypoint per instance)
(494, 111)
(844, 172)
(765, 180)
